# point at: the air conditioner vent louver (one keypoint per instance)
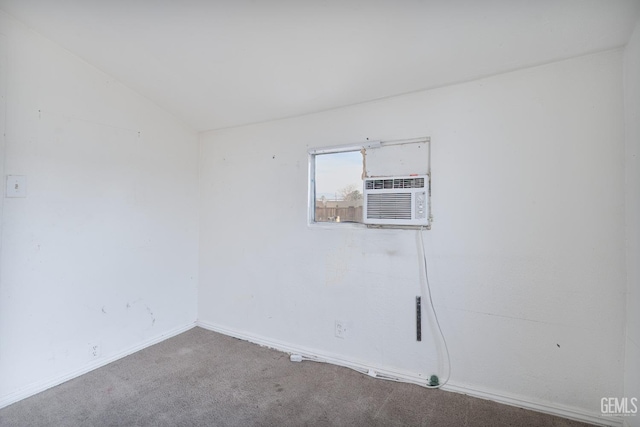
(379, 184)
(390, 206)
(401, 200)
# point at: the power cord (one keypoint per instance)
(433, 309)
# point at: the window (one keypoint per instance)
(336, 177)
(338, 187)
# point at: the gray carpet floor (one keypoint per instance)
(201, 378)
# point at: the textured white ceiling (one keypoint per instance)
(222, 63)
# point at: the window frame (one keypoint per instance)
(311, 207)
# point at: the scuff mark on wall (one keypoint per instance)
(130, 304)
(140, 311)
(153, 319)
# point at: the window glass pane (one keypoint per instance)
(339, 187)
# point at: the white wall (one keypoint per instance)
(632, 146)
(104, 248)
(526, 252)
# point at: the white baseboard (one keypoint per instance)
(538, 406)
(41, 386)
(512, 400)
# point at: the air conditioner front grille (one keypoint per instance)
(389, 206)
(394, 183)
(396, 200)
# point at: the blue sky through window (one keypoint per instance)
(336, 171)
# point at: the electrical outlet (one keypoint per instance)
(94, 350)
(341, 329)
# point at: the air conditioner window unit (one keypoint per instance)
(396, 200)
